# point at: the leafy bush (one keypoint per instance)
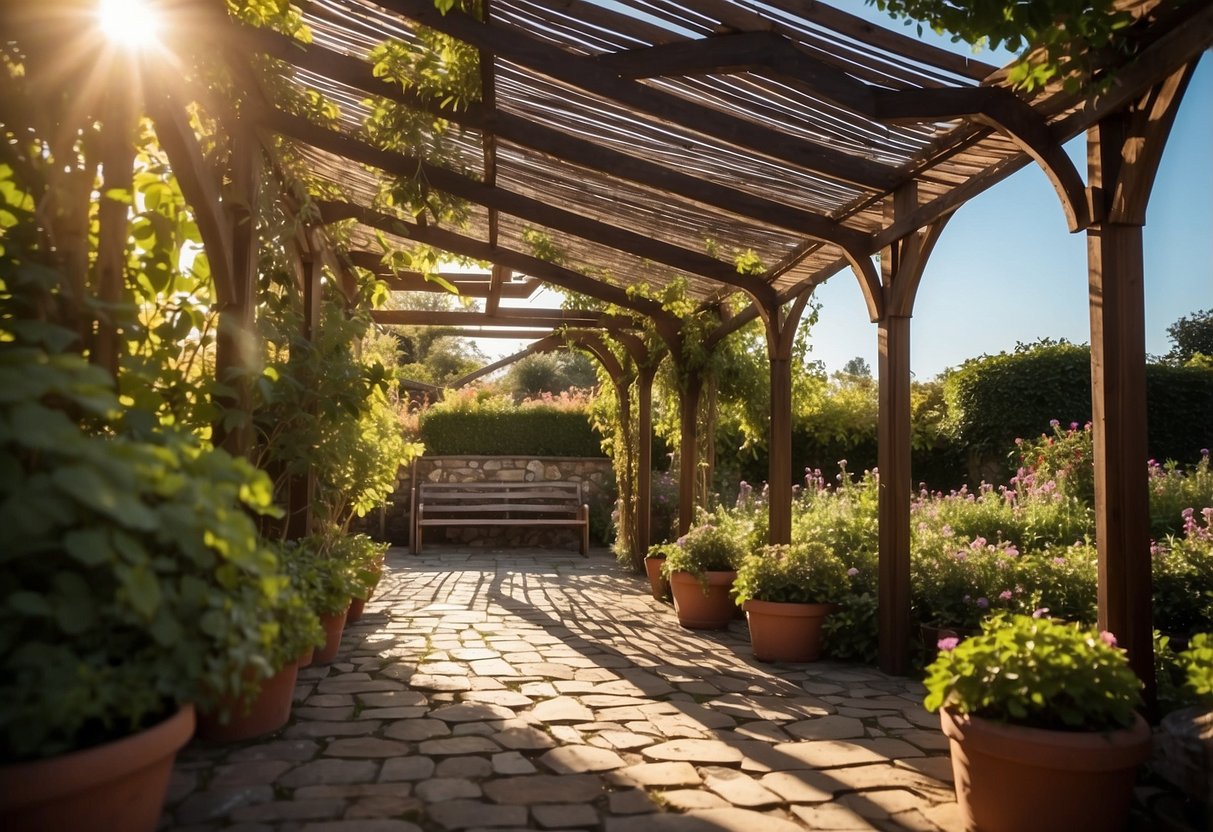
(467, 423)
(134, 579)
(991, 400)
(852, 632)
(708, 547)
(1183, 576)
(1198, 665)
(1038, 673)
(803, 573)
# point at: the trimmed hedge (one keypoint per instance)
(996, 399)
(534, 430)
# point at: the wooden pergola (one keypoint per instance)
(649, 141)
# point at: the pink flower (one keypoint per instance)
(946, 644)
(1040, 612)
(852, 571)
(1005, 595)
(1108, 638)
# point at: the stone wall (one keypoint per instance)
(595, 472)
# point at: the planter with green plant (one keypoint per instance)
(134, 586)
(327, 581)
(654, 566)
(1042, 721)
(1184, 740)
(701, 567)
(787, 591)
(366, 558)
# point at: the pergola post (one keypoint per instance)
(780, 335)
(893, 462)
(236, 338)
(688, 443)
(901, 269)
(644, 454)
(1123, 152)
(302, 486)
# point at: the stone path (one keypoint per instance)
(546, 691)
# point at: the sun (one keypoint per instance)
(134, 24)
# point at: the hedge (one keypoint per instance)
(995, 399)
(533, 431)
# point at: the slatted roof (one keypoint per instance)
(654, 139)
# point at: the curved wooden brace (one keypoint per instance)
(1151, 124)
(1003, 111)
(548, 344)
(869, 283)
(916, 250)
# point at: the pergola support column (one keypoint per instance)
(688, 449)
(235, 346)
(644, 454)
(893, 462)
(781, 333)
(901, 266)
(1123, 153)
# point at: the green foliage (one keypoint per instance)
(133, 578)
(1198, 665)
(475, 423)
(852, 632)
(716, 545)
(1065, 39)
(1038, 673)
(993, 400)
(325, 569)
(541, 373)
(803, 573)
(1191, 336)
(1183, 575)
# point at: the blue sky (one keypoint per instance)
(1006, 270)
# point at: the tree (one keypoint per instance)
(1072, 35)
(857, 366)
(550, 373)
(1191, 335)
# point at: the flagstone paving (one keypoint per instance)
(541, 690)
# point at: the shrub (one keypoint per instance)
(466, 423)
(852, 632)
(1183, 576)
(1038, 673)
(803, 573)
(708, 547)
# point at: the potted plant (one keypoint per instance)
(263, 704)
(787, 591)
(134, 584)
(366, 557)
(1042, 721)
(654, 565)
(327, 582)
(701, 567)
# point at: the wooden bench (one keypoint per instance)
(500, 504)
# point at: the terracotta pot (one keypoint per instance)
(305, 658)
(333, 625)
(783, 632)
(269, 711)
(697, 611)
(659, 586)
(1011, 778)
(115, 787)
(357, 605)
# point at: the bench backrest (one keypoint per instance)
(488, 499)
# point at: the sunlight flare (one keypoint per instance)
(134, 24)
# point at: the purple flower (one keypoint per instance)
(1053, 423)
(852, 571)
(1108, 638)
(978, 543)
(1059, 561)
(1040, 612)
(983, 602)
(1074, 426)
(946, 644)
(1204, 451)
(1005, 595)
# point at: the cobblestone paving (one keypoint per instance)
(540, 690)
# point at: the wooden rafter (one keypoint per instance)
(530, 52)
(502, 317)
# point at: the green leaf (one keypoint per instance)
(142, 589)
(89, 547)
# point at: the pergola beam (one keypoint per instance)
(513, 45)
(537, 136)
(518, 205)
(479, 250)
(502, 317)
